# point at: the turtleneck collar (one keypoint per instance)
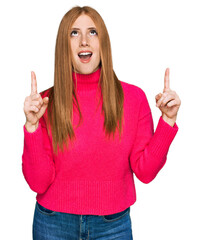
(86, 82)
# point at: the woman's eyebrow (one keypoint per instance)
(79, 28)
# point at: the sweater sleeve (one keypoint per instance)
(149, 152)
(37, 159)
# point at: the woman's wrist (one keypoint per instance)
(30, 127)
(170, 121)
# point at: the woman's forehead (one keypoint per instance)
(83, 21)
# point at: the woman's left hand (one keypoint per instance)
(168, 102)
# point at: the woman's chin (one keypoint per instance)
(86, 70)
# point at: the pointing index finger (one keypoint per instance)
(33, 83)
(167, 79)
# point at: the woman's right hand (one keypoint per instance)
(34, 106)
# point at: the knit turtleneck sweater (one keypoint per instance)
(86, 83)
(95, 175)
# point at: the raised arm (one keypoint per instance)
(37, 159)
(149, 152)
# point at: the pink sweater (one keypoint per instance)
(95, 175)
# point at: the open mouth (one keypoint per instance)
(85, 55)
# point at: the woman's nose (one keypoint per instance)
(84, 41)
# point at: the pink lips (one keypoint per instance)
(85, 60)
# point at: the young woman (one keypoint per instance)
(86, 136)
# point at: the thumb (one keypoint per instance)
(44, 106)
(45, 100)
(158, 96)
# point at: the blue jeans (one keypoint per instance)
(51, 225)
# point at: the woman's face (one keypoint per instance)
(84, 38)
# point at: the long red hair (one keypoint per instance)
(62, 95)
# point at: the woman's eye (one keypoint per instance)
(72, 33)
(93, 32)
(75, 33)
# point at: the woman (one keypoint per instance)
(82, 172)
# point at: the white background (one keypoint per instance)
(146, 37)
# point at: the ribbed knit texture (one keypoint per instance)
(95, 175)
